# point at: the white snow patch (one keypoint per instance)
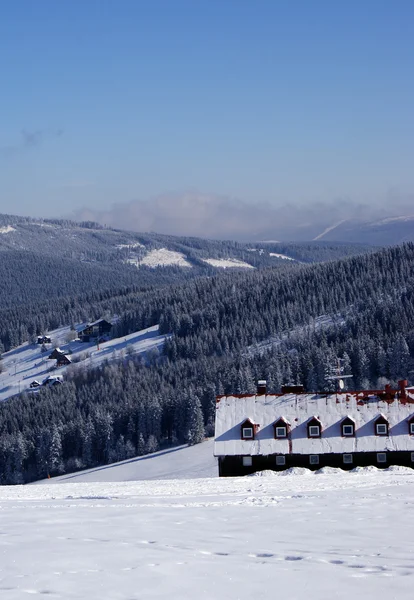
(403, 218)
(161, 257)
(7, 229)
(281, 256)
(130, 246)
(227, 263)
(328, 229)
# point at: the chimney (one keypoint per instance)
(402, 384)
(261, 387)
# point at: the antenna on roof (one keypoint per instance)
(335, 372)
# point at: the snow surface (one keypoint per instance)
(227, 263)
(130, 246)
(161, 257)
(284, 256)
(7, 229)
(329, 534)
(328, 229)
(26, 362)
(180, 462)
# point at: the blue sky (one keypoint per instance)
(106, 102)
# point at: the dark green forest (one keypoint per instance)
(229, 330)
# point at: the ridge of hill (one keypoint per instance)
(91, 243)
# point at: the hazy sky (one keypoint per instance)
(105, 102)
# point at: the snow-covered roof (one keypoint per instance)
(84, 326)
(298, 409)
(99, 321)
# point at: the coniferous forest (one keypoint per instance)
(283, 324)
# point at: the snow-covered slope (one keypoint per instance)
(7, 229)
(320, 536)
(283, 256)
(227, 263)
(162, 257)
(26, 363)
(181, 462)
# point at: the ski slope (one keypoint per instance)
(180, 462)
(318, 536)
(26, 362)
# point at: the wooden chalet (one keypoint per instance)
(98, 331)
(63, 360)
(255, 432)
(56, 354)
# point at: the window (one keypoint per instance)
(247, 432)
(347, 430)
(314, 431)
(281, 461)
(314, 459)
(314, 427)
(381, 457)
(281, 428)
(412, 428)
(348, 459)
(247, 461)
(381, 428)
(412, 456)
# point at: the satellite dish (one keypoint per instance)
(341, 384)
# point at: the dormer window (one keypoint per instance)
(248, 430)
(281, 429)
(314, 428)
(381, 426)
(411, 425)
(348, 427)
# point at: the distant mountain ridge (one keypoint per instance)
(381, 232)
(89, 242)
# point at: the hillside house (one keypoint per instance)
(44, 339)
(297, 429)
(56, 354)
(98, 331)
(63, 360)
(52, 380)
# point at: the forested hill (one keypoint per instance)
(56, 272)
(91, 243)
(228, 331)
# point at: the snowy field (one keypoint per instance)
(227, 263)
(161, 257)
(319, 536)
(26, 362)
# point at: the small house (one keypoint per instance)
(63, 360)
(57, 353)
(52, 380)
(255, 432)
(98, 331)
